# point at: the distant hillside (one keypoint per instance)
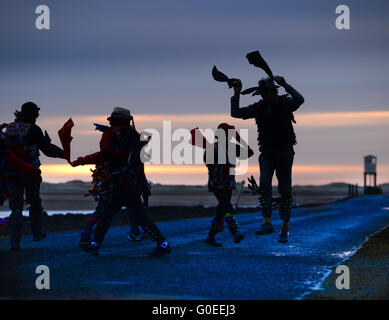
(70, 186)
(71, 195)
(385, 187)
(82, 186)
(336, 187)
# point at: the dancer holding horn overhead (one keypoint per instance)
(273, 115)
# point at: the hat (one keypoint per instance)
(120, 113)
(266, 84)
(30, 108)
(263, 85)
(225, 126)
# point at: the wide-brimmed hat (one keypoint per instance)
(120, 113)
(263, 85)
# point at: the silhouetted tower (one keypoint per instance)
(370, 175)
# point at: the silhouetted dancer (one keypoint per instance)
(24, 134)
(221, 180)
(273, 115)
(121, 147)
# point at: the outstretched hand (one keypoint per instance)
(77, 162)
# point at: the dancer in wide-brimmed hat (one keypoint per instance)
(121, 148)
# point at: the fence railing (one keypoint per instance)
(353, 190)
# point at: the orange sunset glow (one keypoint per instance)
(197, 174)
(319, 119)
(347, 139)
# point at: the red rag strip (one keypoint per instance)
(6, 223)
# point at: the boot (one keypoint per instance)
(85, 239)
(15, 241)
(84, 244)
(238, 237)
(40, 236)
(284, 234)
(266, 227)
(94, 249)
(86, 234)
(15, 223)
(160, 250)
(91, 248)
(233, 227)
(153, 232)
(216, 227)
(212, 242)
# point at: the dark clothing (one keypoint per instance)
(274, 122)
(276, 138)
(221, 181)
(224, 213)
(29, 184)
(223, 194)
(121, 150)
(131, 198)
(29, 137)
(224, 203)
(221, 174)
(280, 161)
(117, 147)
(275, 125)
(91, 221)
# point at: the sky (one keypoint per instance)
(155, 58)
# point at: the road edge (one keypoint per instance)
(331, 269)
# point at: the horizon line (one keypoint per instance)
(304, 119)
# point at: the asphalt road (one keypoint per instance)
(257, 268)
